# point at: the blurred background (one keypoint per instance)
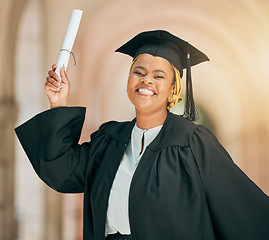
(231, 91)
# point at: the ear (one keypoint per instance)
(171, 93)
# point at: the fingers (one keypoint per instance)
(54, 66)
(52, 84)
(64, 76)
(53, 78)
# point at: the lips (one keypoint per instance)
(145, 91)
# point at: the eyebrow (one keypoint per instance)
(157, 70)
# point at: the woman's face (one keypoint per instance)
(150, 83)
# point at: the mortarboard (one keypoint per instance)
(177, 51)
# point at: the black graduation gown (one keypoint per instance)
(185, 187)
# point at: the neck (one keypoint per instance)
(151, 120)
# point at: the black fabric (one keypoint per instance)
(118, 236)
(185, 187)
(163, 44)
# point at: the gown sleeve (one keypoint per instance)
(50, 140)
(238, 208)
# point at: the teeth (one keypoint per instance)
(146, 91)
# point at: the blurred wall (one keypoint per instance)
(10, 13)
(231, 89)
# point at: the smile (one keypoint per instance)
(145, 91)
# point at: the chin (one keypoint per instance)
(148, 106)
(150, 109)
(144, 105)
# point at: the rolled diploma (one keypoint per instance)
(69, 40)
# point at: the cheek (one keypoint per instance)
(132, 82)
(130, 86)
(170, 87)
(167, 90)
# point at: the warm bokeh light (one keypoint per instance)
(231, 90)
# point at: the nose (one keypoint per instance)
(146, 80)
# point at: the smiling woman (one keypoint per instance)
(150, 86)
(159, 176)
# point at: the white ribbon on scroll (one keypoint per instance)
(69, 40)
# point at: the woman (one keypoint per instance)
(157, 177)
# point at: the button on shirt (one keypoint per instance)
(118, 204)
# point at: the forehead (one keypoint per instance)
(153, 62)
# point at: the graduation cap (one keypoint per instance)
(177, 51)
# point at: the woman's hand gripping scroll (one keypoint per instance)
(57, 90)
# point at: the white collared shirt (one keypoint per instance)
(118, 204)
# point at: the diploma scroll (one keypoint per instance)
(69, 40)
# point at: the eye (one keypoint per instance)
(159, 77)
(139, 73)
